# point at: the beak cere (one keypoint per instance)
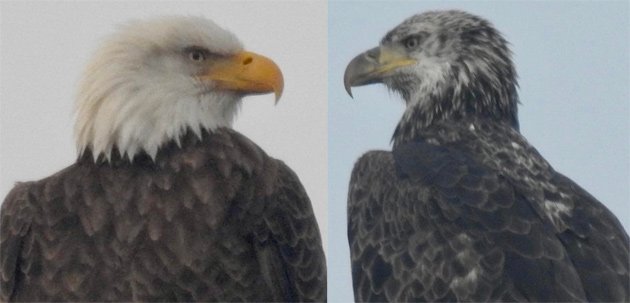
(246, 72)
(374, 65)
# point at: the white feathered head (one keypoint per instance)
(153, 80)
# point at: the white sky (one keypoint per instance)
(573, 61)
(45, 45)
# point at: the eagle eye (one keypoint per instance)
(196, 54)
(413, 42)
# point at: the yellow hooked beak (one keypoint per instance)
(373, 65)
(246, 72)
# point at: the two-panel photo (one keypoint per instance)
(314, 151)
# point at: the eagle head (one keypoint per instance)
(153, 80)
(446, 65)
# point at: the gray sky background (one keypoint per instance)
(573, 62)
(45, 46)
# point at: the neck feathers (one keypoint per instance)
(135, 121)
(472, 95)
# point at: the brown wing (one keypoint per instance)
(597, 245)
(16, 218)
(428, 225)
(289, 242)
(214, 220)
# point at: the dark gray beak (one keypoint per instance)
(372, 66)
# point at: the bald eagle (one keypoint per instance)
(463, 208)
(165, 202)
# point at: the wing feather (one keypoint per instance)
(211, 220)
(17, 215)
(429, 223)
(289, 242)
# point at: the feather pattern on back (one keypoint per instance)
(215, 220)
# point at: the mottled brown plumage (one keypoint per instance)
(461, 214)
(463, 208)
(214, 220)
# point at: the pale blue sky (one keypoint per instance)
(573, 62)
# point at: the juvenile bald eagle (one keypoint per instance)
(165, 202)
(464, 208)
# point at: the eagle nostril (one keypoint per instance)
(247, 60)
